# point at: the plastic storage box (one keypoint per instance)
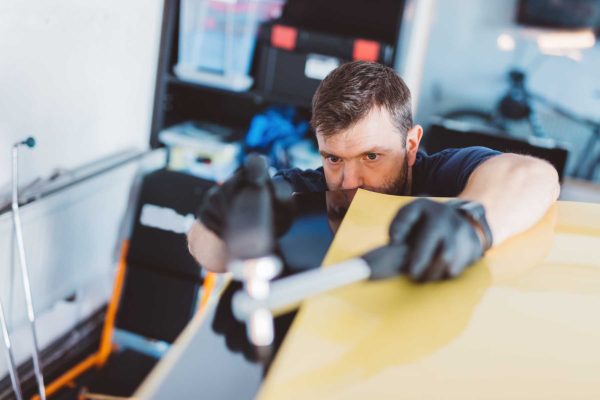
(292, 61)
(217, 40)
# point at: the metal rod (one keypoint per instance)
(12, 369)
(25, 272)
(286, 293)
(588, 153)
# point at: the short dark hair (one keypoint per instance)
(350, 91)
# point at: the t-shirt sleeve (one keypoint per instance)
(445, 174)
(312, 180)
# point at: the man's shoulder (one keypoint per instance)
(308, 180)
(454, 157)
(454, 154)
(445, 173)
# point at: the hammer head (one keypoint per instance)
(256, 274)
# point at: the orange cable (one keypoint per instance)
(69, 376)
(111, 312)
(99, 358)
(207, 289)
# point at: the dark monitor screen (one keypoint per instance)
(562, 14)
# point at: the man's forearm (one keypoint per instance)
(207, 248)
(515, 190)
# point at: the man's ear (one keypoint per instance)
(413, 138)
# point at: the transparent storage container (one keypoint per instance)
(217, 40)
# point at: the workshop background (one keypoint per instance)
(98, 88)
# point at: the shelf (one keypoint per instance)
(176, 100)
(256, 96)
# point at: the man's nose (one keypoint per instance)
(352, 178)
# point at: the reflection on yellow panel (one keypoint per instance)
(524, 322)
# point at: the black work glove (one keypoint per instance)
(438, 240)
(219, 199)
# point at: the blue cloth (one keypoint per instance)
(442, 174)
(273, 131)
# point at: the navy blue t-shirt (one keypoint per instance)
(442, 174)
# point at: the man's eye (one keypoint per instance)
(372, 156)
(333, 159)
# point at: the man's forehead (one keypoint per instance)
(376, 123)
(355, 142)
(350, 148)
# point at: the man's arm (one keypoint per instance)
(515, 190)
(204, 237)
(207, 248)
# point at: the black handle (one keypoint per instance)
(249, 232)
(386, 261)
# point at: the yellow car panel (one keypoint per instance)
(524, 322)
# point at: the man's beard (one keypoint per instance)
(397, 185)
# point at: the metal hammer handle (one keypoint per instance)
(288, 292)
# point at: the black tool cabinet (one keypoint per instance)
(177, 101)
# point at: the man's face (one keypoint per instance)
(371, 155)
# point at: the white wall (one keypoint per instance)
(464, 67)
(69, 238)
(79, 76)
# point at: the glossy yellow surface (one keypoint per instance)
(523, 323)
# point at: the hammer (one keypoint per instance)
(250, 239)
